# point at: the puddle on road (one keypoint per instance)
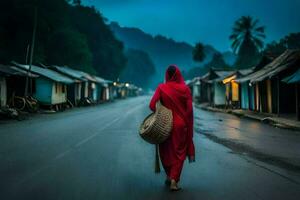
(246, 150)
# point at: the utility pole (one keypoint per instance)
(31, 53)
(27, 54)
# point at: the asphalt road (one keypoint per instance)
(96, 153)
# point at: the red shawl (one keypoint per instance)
(176, 95)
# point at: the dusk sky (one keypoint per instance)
(201, 20)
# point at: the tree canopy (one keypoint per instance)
(291, 41)
(67, 33)
(247, 41)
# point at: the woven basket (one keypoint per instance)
(156, 127)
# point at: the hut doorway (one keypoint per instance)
(287, 100)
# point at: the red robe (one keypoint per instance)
(176, 95)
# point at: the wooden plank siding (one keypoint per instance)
(257, 97)
(49, 92)
(245, 103)
(219, 94)
(269, 96)
(297, 88)
(3, 92)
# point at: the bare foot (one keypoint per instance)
(173, 186)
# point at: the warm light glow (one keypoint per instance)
(229, 79)
(115, 83)
(127, 84)
(235, 91)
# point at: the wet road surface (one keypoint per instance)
(96, 153)
(262, 140)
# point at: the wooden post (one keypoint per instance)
(278, 96)
(297, 102)
(31, 54)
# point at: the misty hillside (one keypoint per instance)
(163, 51)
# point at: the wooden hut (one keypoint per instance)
(12, 82)
(91, 87)
(76, 89)
(195, 87)
(271, 94)
(132, 90)
(104, 89)
(50, 87)
(212, 89)
(120, 91)
(294, 79)
(234, 92)
(249, 92)
(206, 86)
(3, 93)
(219, 89)
(275, 96)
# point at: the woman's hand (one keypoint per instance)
(191, 159)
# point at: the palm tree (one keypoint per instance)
(247, 40)
(246, 29)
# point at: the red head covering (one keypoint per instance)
(176, 89)
(174, 84)
(177, 76)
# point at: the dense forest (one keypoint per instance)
(67, 33)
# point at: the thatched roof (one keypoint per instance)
(281, 63)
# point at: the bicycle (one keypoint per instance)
(24, 103)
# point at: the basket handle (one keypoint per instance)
(158, 103)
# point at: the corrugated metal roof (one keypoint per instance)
(102, 80)
(88, 77)
(205, 76)
(294, 78)
(14, 71)
(281, 63)
(75, 74)
(212, 74)
(222, 75)
(194, 81)
(99, 79)
(53, 75)
(80, 75)
(245, 72)
(188, 82)
(246, 78)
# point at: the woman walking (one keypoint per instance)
(176, 96)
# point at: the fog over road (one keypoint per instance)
(96, 153)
